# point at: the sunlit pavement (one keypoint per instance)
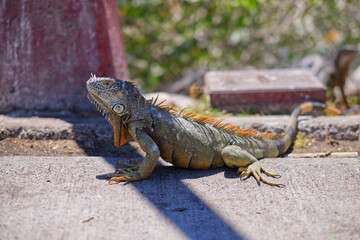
(68, 198)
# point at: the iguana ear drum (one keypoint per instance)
(118, 108)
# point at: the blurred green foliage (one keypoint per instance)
(164, 38)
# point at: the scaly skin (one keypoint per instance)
(182, 139)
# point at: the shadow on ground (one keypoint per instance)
(173, 200)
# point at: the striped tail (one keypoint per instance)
(290, 134)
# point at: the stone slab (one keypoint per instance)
(262, 91)
(65, 198)
(49, 48)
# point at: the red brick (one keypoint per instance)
(48, 48)
(263, 91)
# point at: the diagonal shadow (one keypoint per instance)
(165, 190)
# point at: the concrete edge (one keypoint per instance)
(96, 128)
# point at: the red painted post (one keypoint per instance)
(48, 48)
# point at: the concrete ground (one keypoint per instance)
(68, 198)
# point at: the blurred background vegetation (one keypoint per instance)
(164, 38)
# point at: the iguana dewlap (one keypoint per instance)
(185, 140)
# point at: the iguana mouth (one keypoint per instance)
(121, 133)
(101, 107)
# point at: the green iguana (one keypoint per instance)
(182, 139)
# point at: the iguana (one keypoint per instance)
(185, 140)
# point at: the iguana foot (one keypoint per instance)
(255, 169)
(133, 165)
(129, 174)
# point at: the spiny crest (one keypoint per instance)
(233, 129)
(161, 105)
(216, 123)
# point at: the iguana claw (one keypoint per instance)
(129, 174)
(255, 169)
(133, 165)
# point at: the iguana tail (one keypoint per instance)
(290, 134)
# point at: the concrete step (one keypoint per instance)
(95, 128)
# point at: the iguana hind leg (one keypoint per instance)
(234, 156)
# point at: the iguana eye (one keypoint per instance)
(106, 83)
(118, 108)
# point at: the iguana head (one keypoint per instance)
(114, 99)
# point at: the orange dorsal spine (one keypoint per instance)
(215, 122)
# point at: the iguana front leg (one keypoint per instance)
(149, 162)
(235, 156)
